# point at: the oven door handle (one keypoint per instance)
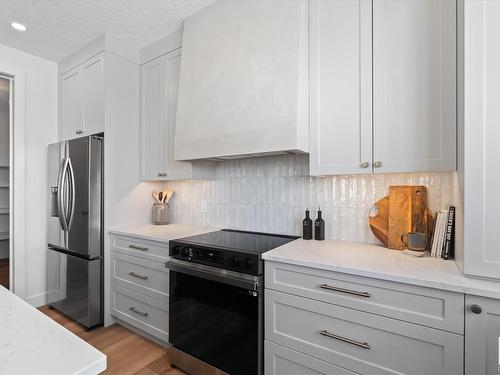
(240, 280)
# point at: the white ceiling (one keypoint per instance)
(57, 28)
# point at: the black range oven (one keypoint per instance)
(216, 301)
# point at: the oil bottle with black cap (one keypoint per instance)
(319, 227)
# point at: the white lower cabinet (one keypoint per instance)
(140, 284)
(482, 336)
(307, 333)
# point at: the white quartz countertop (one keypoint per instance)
(381, 263)
(163, 233)
(32, 343)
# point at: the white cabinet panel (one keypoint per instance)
(159, 91)
(481, 138)
(340, 86)
(82, 99)
(152, 113)
(93, 94)
(482, 332)
(243, 85)
(72, 104)
(414, 85)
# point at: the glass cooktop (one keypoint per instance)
(253, 242)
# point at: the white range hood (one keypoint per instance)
(244, 81)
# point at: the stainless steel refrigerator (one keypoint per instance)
(75, 229)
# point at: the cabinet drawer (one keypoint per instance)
(370, 343)
(141, 275)
(279, 360)
(143, 312)
(429, 307)
(141, 248)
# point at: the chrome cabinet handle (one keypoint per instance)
(79, 131)
(135, 247)
(138, 276)
(138, 312)
(347, 291)
(364, 164)
(377, 164)
(363, 345)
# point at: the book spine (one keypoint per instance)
(449, 233)
(442, 225)
(435, 237)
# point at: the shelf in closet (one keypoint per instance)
(4, 211)
(4, 236)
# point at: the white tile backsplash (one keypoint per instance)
(270, 194)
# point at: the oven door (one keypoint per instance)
(217, 316)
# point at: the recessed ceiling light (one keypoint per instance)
(18, 26)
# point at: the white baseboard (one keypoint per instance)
(37, 300)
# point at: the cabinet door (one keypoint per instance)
(414, 85)
(152, 119)
(482, 333)
(72, 107)
(482, 138)
(340, 86)
(93, 94)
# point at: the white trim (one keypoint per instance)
(17, 170)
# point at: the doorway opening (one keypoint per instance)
(5, 173)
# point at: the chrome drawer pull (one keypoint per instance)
(363, 345)
(138, 247)
(138, 276)
(139, 312)
(347, 291)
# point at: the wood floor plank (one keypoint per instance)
(128, 353)
(132, 354)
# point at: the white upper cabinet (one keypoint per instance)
(82, 99)
(382, 86)
(414, 85)
(480, 172)
(71, 103)
(243, 84)
(159, 88)
(340, 86)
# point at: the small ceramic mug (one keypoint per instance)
(415, 241)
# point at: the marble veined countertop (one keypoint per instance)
(381, 263)
(32, 343)
(163, 233)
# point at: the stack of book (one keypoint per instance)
(443, 239)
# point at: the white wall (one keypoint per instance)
(41, 129)
(270, 194)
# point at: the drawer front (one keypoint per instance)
(141, 275)
(279, 360)
(141, 248)
(370, 343)
(429, 307)
(143, 312)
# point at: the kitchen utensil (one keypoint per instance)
(160, 196)
(407, 213)
(379, 220)
(415, 241)
(169, 194)
(156, 196)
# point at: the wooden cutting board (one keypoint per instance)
(379, 221)
(407, 213)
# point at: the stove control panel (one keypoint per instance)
(220, 258)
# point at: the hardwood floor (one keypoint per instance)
(4, 272)
(128, 353)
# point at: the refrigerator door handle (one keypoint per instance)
(71, 203)
(61, 192)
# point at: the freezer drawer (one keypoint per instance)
(75, 287)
